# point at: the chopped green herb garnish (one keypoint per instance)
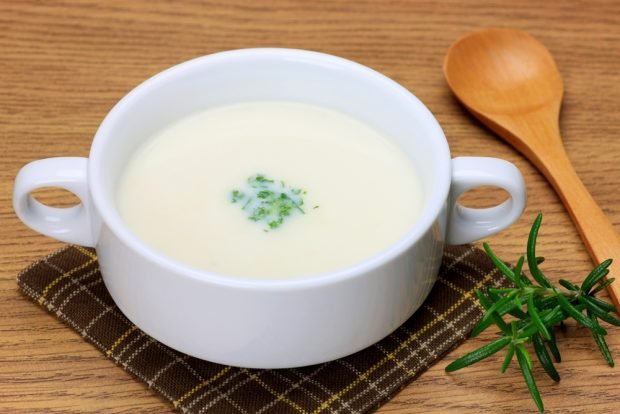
(269, 201)
(237, 196)
(261, 179)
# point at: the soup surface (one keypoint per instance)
(269, 190)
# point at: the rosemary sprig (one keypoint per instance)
(528, 312)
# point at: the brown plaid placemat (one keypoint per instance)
(69, 285)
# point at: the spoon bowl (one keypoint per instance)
(510, 82)
(486, 66)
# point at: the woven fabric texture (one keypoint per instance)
(68, 284)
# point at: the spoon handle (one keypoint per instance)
(596, 231)
(537, 136)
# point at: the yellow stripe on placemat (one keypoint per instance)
(462, 291)
(273, 392)
(85, 252)
(398, 363)
(405, 343)
(203, 384)
(120, 340)
(68, 273)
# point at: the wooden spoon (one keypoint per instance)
(509, 81)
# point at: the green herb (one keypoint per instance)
(237, 196)
(535, 307)
(269, 201)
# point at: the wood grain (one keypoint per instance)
(65, 63)
(509, 81)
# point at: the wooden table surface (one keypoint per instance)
(63, 65)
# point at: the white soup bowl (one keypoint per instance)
(268, 323)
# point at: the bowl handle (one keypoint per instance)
(73, 224)
(469, 224)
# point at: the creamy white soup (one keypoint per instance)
(269, 190)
